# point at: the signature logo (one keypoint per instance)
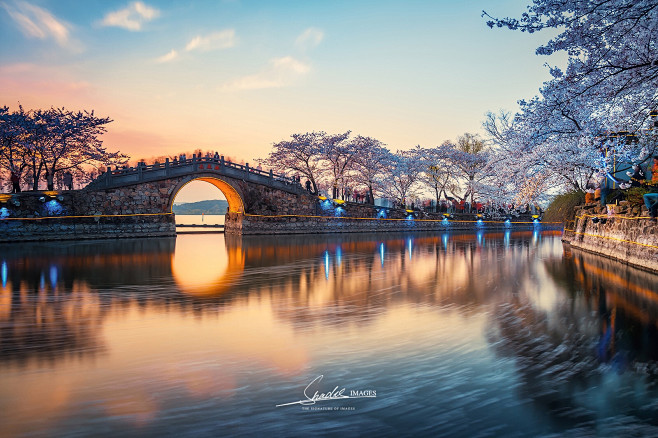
(312, 397)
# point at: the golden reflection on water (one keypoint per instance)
(203, 266)
(5, 302)
(198, 322)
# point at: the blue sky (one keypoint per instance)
(236, 76)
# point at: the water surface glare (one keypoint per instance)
(505, 334)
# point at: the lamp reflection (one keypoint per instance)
(3, 273)
(326, 265)
(53, 276)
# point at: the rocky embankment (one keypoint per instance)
(621, 232)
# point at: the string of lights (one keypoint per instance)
(80, 217)
(391, 219)
(612, 217)
(612, 238)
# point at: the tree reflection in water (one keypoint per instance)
(52, 303)
(59, 292)
(56, 295)
(606, 326)
(198, 319)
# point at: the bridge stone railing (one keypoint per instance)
(118, 177)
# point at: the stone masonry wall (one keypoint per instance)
(630, 239)
(81, 214)
(99, 227)
(330, 224)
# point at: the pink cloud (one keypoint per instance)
(41, 86)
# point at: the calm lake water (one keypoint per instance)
(197, 219)
(504, 334)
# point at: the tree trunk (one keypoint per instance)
(50, 181)
(36, 173)
(472, 196)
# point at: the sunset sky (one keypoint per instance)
(236, 76)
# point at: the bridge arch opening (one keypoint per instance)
(230, 194)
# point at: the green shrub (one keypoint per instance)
(561, 208)
(634, 196)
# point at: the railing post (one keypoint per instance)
(221, 161)
(167, 166)
(108, 177)
(139, 171)
(271, 174)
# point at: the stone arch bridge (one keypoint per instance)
(151, 190)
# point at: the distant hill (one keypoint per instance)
(205, 207)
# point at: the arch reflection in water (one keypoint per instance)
(203, 265)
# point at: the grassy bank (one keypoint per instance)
(561, 209)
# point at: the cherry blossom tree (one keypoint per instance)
(53, 141)
(439, 175)
(71, 141)
(468, 160)
(332, 159)
(339, 153)
(370, 164)
(13, 131)
(562, 162)
(304, 154)
(402, 177)
(609, 86)
(613, 56)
